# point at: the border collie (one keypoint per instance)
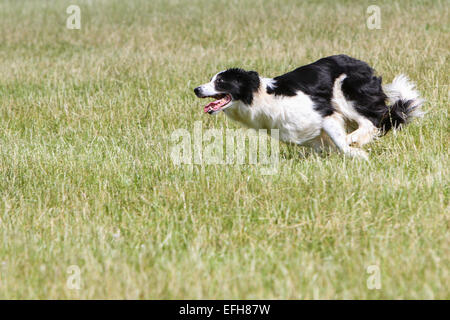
(334, 102)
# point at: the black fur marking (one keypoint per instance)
(239, 83)
(317, 80)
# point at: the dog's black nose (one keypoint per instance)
(197, 91)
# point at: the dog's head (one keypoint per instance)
(228, 87)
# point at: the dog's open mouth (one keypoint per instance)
(221, 101)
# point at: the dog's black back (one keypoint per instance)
(317, 79)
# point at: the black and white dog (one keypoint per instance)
(334, 102)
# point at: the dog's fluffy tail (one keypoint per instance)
(404, 103)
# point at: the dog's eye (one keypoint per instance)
(219, 80)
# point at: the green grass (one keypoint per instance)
(86, 176)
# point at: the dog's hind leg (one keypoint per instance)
(366, 131)
(334, 126)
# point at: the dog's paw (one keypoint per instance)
(358, 153)
(352, 140)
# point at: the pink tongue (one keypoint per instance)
(215, 105)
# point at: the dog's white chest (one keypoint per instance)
(294, 117)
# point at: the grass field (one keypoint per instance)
(86, 177)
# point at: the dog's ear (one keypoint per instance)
(254, 79)
(253, 73)
(249, 85)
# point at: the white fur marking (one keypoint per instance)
(295, 116)
(402, 88)
(269, 83)
(209, 88)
